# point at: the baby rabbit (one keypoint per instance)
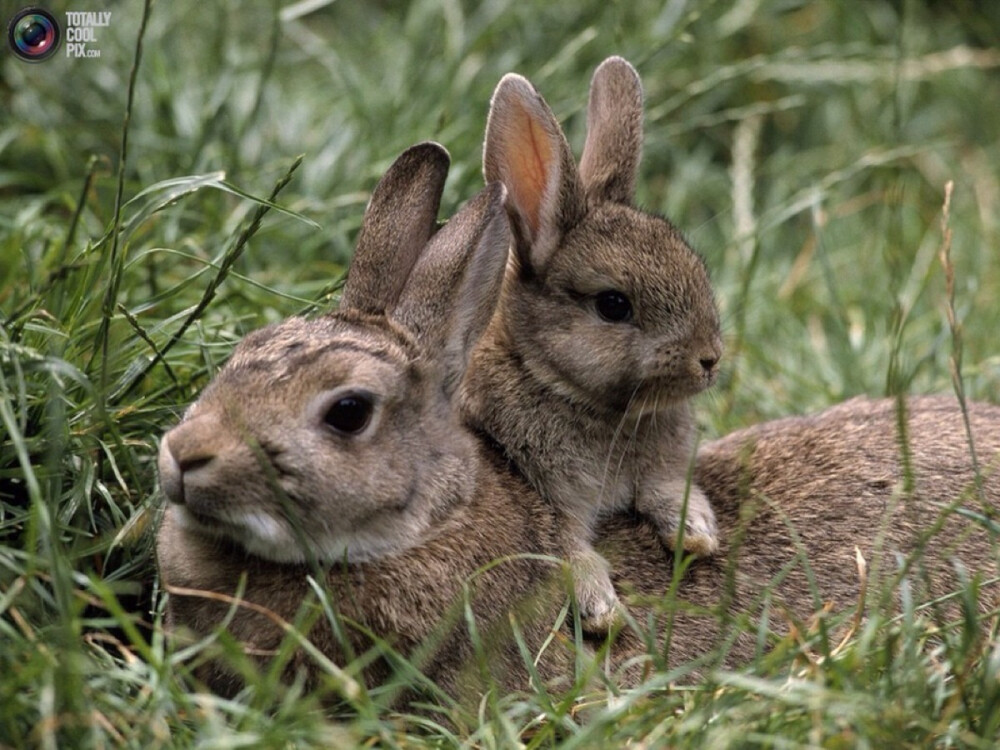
(334, 441)
(607, 325)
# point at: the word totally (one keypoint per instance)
(87, 18)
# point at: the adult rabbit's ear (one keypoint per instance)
(399, 220)
(451, 294)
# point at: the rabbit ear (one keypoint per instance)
(526, 150)
(614, 133)
(400, 218)
(450, 296)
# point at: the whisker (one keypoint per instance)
(611, 448)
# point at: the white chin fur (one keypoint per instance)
(267, 537)
(263, 527)
(259, 534)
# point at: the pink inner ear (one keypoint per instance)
(531, 158)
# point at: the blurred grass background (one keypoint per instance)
(802, 145)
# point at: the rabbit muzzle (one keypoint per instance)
(203, 470)
(189, 459)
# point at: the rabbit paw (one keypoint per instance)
(596, 599)
(663, 504)
(701, 536)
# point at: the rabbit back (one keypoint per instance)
(795, 497)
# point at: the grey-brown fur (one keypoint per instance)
(593, 412)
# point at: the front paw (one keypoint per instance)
(596, 600)
(701, 535)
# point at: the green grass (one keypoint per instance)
(803, 146)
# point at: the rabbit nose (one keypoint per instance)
(171, 476)
(190, 463)
(184, 449)
(710, 355)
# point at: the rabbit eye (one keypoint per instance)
(350, 414)
(613, 306)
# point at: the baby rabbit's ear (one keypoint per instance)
(614, 133)
(450, 296)
(401, 216)
(526, 150)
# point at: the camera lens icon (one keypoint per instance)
(33, 34)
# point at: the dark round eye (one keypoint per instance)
(350, 414)
(613, 306)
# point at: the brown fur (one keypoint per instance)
(794, 497)
(409, 599)
(800, 492)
